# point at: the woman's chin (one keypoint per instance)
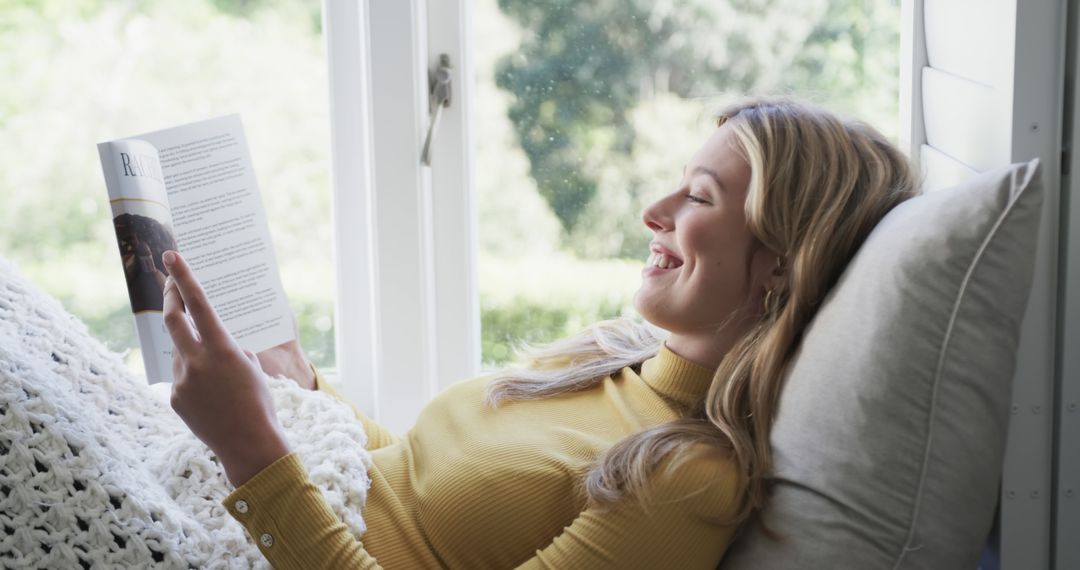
(648, 310)
(637, 304)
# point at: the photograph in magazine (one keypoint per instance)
(143, 234)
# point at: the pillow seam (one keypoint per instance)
(945, 345)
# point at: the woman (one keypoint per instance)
(615, 448)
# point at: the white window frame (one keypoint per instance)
(407, 316)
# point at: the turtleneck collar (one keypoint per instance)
(677, 378)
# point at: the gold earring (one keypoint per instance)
(771, 297)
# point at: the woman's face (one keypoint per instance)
(700, 234)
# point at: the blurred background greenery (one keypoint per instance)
(585, 112)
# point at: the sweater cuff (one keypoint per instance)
(282, 510)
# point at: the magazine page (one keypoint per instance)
(219, 223)
(144, 230)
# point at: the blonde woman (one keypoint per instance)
(627, 446)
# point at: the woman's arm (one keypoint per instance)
(288, 360)
(670, 531)
(288, 518)
(221, 394)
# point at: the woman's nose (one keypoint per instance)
(656, 215)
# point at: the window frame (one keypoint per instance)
(404, 238)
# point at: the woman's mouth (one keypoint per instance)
(660, 263)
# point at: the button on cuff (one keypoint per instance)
(241, 506)
(266, 539)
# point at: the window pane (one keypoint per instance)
(89, 71)
(586, 111)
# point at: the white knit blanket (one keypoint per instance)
(95, 471)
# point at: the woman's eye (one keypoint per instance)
(693, 198)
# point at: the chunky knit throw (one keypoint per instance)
(97, 472)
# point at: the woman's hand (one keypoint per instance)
(219, 390)
(288, 360)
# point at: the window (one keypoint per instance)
(566, 119)
(585, 111)
(97, 71)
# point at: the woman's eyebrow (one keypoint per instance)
(710, 172)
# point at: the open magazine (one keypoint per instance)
(192, 189)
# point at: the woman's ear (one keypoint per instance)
(770, 269)
(777, 279)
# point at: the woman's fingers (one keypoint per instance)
(207, 323)
(176, 322)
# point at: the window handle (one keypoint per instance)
(439, 97)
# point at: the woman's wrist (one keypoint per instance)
(303, 373)
(247, 461)
(299, 368)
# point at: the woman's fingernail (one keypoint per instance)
(169, 258)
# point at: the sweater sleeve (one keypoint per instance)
(288, 518)
(377, 435)
(672, 530)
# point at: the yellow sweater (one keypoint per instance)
(474, 487)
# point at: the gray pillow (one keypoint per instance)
(890, 432)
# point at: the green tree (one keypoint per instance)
(583, 67)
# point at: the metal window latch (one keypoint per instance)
(439, 90)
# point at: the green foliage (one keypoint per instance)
(89, 71)
(17, 12)
(583, 68)
(305, 10)
(851, 62)
(543, 297)
(572, 83)
(505, 328)
(316, 331)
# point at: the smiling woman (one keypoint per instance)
(757, 258)
(712, 268)
(623, 446)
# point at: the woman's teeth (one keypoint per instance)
(662, 261)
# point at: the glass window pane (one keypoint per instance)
(93, 70)
(586, 111)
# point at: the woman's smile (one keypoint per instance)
(661, 260)
(652, 270)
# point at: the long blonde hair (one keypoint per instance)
(818, 185)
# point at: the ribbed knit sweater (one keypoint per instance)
(470, 486)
